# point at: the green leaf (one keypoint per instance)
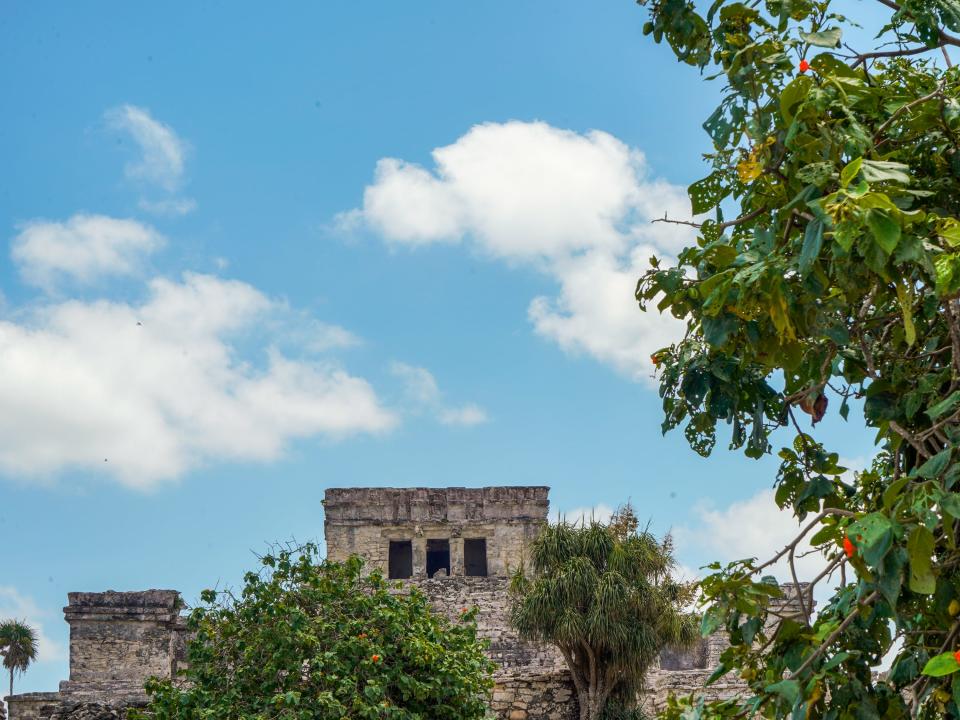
(935, 466)
(812, 241)
(940, 665)
(886, 230)
(951, 504)
(885, 171)
(906, 306)
(792, 95)
(707, 193)
(789, 690)
(944, 406)
(850, 171)
(920, 546)
(824, 38)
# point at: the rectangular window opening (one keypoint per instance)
(475, 557)
(401, 559)
(438, 558)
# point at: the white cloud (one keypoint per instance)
(465, 415)
(172, 207)
(161, 161)
(423, 394)
(15, 606)
(575, 206)
(599, 513)
(755, 527)
(162, 152)
(83, 249)
(145, 392)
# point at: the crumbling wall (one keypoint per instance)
(540, 696)
(452, 595)
(363, 521)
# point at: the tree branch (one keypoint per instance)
(834, 635)
(720, 226)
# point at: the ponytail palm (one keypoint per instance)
(604, 596)
(18, 646)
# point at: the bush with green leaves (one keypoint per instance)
(826, 279)
(322, 640)
(604, 596)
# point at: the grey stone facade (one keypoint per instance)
(457, 545)
(117, 641)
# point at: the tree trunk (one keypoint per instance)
(591, 703)
(11, 681)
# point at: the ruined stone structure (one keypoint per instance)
(117, 641)
(458, 545)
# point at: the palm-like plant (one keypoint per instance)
(18, 646)
(604, 596)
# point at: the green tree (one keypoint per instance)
(835, 283)
(309, 639)
(603, 595)
(18, 646)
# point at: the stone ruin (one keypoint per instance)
(458, 545)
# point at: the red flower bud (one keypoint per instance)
(956, 656)
(804, 66)
(375, 658)
(848, 547)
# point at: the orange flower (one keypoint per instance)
(956, 656)
(375, 658)
(804, 66)
(463, 611)
(848, 547)
(362, 636)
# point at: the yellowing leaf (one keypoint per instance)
(749, 170)
(906, 306)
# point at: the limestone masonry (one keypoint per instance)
(458, 545)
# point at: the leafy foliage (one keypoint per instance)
(308, 639)
(18, 647)
(603, 595)
(837, 279)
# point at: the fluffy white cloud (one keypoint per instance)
(15, 606)
(145, 392)
(575, 206)
(83, 249)
(423, 395)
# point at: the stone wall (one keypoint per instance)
(451, 595)
(363, 521)
(117, 641)
(540, 696)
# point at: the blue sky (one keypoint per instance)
(252, 254)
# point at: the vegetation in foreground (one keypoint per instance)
(313, 639)
(604, 596)
(826, 279)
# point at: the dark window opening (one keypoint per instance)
(401, 559)
(475, 556)
(438, 557)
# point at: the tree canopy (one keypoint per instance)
(19, 645)
(604, 596)
(826, 279)
(309, 639)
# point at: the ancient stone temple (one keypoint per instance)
(458, 545)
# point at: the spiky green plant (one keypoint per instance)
(604, 596)
(18, 646)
